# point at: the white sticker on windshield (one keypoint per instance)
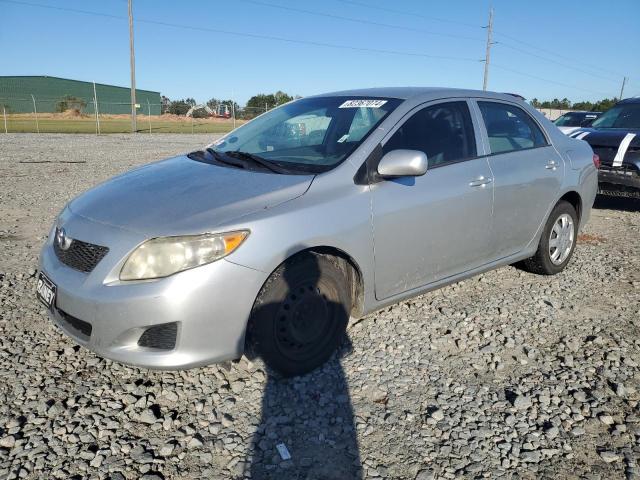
(363, 103)
(343, 138)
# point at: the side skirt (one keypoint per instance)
(447, 281)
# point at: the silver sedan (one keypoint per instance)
(268, 240)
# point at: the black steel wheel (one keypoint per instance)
(301, 313)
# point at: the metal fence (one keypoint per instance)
(553, 113)
(86, 115)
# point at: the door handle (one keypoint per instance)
(480, 181)
(551, 165)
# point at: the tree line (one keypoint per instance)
(566, 104)
(256, 105)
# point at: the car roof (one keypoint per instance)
(629, 100)
(586, 112)
(418, 93)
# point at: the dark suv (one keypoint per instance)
(576, 119)
(615, 138)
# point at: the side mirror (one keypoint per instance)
(403, 163)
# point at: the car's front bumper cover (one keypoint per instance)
(619, 181)
(628, 176)
(210, 304)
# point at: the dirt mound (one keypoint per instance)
(73, 113)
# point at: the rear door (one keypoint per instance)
(431, 227)
(527, 171)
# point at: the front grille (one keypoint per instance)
(81, 255)
(162, 337)
(76, 327)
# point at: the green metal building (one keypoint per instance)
(17, 95)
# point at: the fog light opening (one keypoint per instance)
(160, 337)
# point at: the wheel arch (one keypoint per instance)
(355, 277)
(575, 200)
(353, 270)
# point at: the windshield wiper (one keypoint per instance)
(258, 160)
(221, 158)
(201, 156)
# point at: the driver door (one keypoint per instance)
(437, 225)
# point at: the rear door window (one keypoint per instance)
(443, 131)
(510, 128)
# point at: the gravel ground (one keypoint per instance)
(505, 375)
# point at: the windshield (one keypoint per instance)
(620, 116)
(311, 134)
(570, 120)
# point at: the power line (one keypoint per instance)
(411, 14)
(517, 72)
(555, 61)
(296, 41)
(419, 30)
(360, 20)
(596, 67)
(564, 57)
(248, 35)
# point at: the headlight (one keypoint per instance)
(160, 257)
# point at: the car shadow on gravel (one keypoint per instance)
(307, 427)
(604, 202)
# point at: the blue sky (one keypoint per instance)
(579, 49)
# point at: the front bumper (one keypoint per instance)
(210, 304)
(625, 176)
(623, 181)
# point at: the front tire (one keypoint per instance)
(301, 313)
(557, 243)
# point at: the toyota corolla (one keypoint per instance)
(331, 206)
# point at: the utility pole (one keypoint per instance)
(149, 113)
(488, 54)
(95, 108)
(233, 111)
(132, 58)
(35, 110)
(624, 80)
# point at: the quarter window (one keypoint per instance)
(443, 131)
(510, 128)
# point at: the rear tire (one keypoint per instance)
(557, 243)
(301, 313)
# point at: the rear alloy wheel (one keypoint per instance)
(301, 314)
(557, 242)
(561, 239)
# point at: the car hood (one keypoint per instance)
(607, 141)
(568, 130)
(182, 196)
(609, 137)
